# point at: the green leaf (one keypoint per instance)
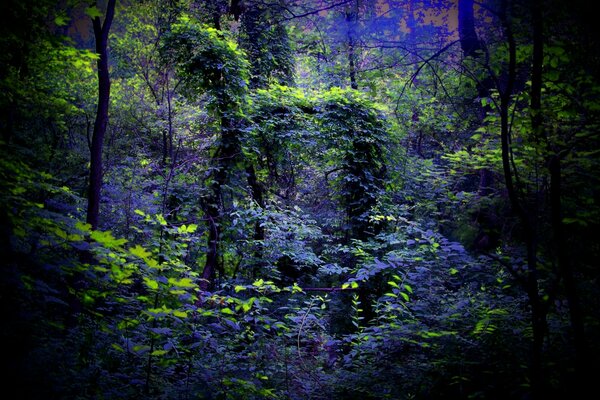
(404, 296)
(247, 305)
(93, 12)
(152, 263)
(227, 311)
(107, 239)
(140, 252)
(180, 314)
(117, 347)
(161, 220)
(259, 283)
(352, 285)
(182, 283)
(296, 288)
(152, 284)
(61, 20)
(183, 229)
(141, 348)
(192, 228)
(83, 227)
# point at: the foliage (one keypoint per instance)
(267, 45)
(356, 133)
(364, 241)
(207, 61)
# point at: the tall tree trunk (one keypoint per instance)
(538, 313)
(536, 70)
(170, 120)
(223, 160)
(582, 371)
(212, 214)
(469, 41)
(213, 205)
(167, 132)
(351, 19)
(554, 166)
(101, 36)
(470, 44)
(472, 47)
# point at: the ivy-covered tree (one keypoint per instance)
(357, 131)
(209, 63)
(264, 38)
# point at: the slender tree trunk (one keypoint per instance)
(169, 120)
(351, 17)
(167, 132)
(259, 230)
(213, 205)
(164, 146)
(473, 47)
(211, 264)
(536, 70)
(554, 166)
(469, 41)
(212, 213)
(566, 271)
(101, 36)
(538, 314)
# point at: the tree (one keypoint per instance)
(101, 30)
(351, 18)
(267, 44)
(531, 162)
(357, 131)
(137, 51)
(210, 63)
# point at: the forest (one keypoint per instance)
(299, 199)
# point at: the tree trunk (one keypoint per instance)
(469, 42)
(566, 271)
(538, 314)
(351, 17)
(101, 36)
(554, 166)
(223, 160)
(259, 230)
(536, 70)
(472, 47)
(211, 264)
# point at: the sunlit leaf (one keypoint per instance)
(93, 12)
